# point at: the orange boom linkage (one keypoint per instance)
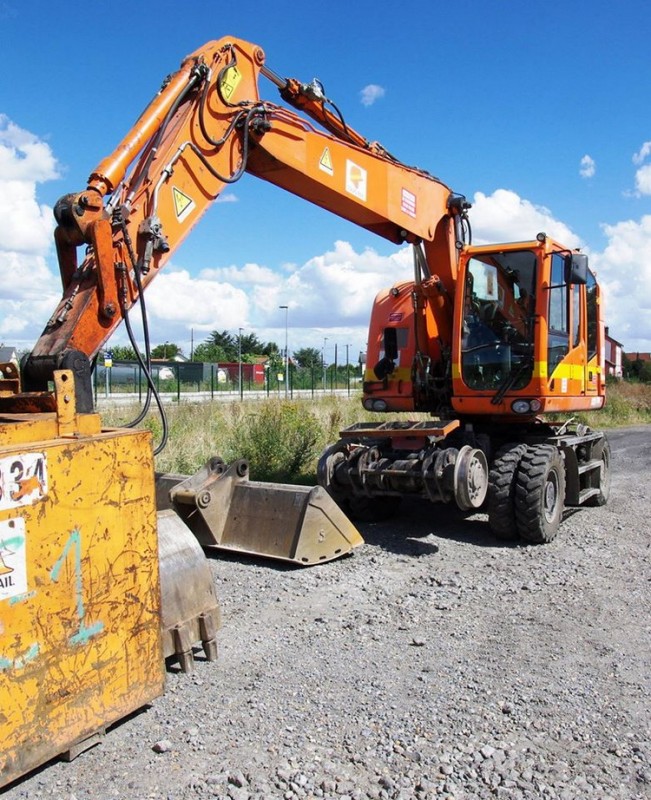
(484, 338)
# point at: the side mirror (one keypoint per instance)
(576, 268)
(383, 368)
(386, 365)
(391, 343)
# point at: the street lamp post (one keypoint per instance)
(325, 339)
(286, 351)
(239, 363)
(347, 370)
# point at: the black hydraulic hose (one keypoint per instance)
(202, 123)
(250, 114)
(144, 364)
(195, 76)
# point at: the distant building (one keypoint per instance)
(638, 356)
(251, 373)
(613, 356)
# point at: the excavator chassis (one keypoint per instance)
(537, 470)
(373, 466)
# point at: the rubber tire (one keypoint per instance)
(541, 471)
(604, 479)
(501, 491)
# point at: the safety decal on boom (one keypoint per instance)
(325, 162)
(408, 203)
(183, 204)
(229, 82)
(23, 479)
(13, 558)
(356, 180)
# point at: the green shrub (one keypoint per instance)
(278, 439)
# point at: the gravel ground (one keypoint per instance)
(435, 662)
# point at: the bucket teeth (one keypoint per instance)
(189, 608)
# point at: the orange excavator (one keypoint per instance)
(99, 558)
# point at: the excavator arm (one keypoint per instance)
(205, 128)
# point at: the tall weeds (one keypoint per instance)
(282, 440)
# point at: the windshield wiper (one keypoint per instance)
(510, 380)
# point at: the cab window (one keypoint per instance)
(591, 295)
(559, 333)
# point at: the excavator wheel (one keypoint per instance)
(501, 491)
(540, 493)
(604, 477)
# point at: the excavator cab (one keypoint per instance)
(527, 331)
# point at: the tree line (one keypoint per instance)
(223, 347)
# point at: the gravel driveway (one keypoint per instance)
(435, 662)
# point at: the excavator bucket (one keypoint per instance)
(225, 510)
(189, 608)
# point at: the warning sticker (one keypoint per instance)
(183, 204)
(408, 202)
(13, 558)
(325, 162)
(356, 180)
(23, 479)
(229, 82)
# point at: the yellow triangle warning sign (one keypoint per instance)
(182, 203)
(325, 162)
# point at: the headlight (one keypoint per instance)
(379, 405)
(526, 406)
(521, 406)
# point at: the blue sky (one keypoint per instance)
(539, 113)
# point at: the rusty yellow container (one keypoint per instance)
(80, 642)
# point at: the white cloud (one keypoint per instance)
(30, 288)
(588, 167)
(248, 275)
(624, 271)
(371, 93)
(643, 152)
(643, 179)
(25, 226)
(228, 197)
(23, 156)
(176, 298)
(329, 296)
(504, 216)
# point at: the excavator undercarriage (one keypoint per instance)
(523, 475)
